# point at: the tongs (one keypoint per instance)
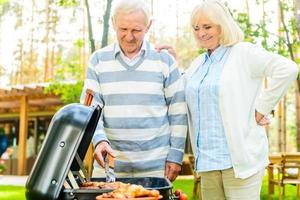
(81, 174)
(109, 168)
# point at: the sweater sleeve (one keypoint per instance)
(92, 82)
(281, 72)
(175, 99)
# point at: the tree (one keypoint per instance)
(106, 17)
(297, 13)
(90, 28)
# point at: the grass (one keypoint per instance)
(12, 193)
(186, 185)
(290, 193)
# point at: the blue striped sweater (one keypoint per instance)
(144, 110)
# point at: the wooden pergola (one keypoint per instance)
(22, 101)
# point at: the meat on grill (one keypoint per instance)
(121, 190)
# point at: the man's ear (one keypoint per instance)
(149, 25)
(113, 21)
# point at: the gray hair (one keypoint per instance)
(218, 14)
(129, 6)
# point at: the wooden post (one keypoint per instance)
(88, 159)
(279, 126)
(23, 130)
(284, 148)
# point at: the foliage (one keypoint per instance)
(67, 3)
(4, 4)
(2, 167)
(67, 83)
(69, 93)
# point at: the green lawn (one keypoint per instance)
(187, 187)
(12, 193)
(18, 193)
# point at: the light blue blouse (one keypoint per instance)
(202, 95)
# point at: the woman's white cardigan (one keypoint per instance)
(241, 93)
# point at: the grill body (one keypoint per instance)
(63, 140)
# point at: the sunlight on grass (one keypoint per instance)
(12, 193)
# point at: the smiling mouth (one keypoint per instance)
(204, 40)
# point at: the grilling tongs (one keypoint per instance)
(109, 168)
(81, 174)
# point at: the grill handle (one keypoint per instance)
(88, 159)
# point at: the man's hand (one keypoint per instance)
(261, 119)
(167, 47)
(100, 152)
(172, 170)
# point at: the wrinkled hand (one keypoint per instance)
(101, 150)
(167, 47)
(261, 119)
(172, 170)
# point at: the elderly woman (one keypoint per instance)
(227, 104)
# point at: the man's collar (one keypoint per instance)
(145, 48)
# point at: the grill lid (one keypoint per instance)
(70, 133)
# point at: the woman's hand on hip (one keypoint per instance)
(261, 119)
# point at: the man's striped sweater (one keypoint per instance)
(144, 111)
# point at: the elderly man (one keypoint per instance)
(143, 121)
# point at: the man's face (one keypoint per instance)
(131, 29)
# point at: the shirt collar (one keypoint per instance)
(144, 48)
(216, 55)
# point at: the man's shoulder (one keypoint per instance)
(104, 50)
(104, 54)
(162, 55)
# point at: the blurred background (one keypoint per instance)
(45, 46)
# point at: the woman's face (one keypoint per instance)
(207, 34)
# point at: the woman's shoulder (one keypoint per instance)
(244, 46)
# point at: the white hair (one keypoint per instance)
(129, 6)
(219, 15)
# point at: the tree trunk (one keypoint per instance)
(279, 122)
(284, 134)
(106, 23)
(297, 117)
(90, 28)
(289, 43)
(279, 111)
(46, 39)
(152, 38)
(54, 20)
(32, 66)
(297, 9)
(177, 28)
(19, 77)
(82, 48)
